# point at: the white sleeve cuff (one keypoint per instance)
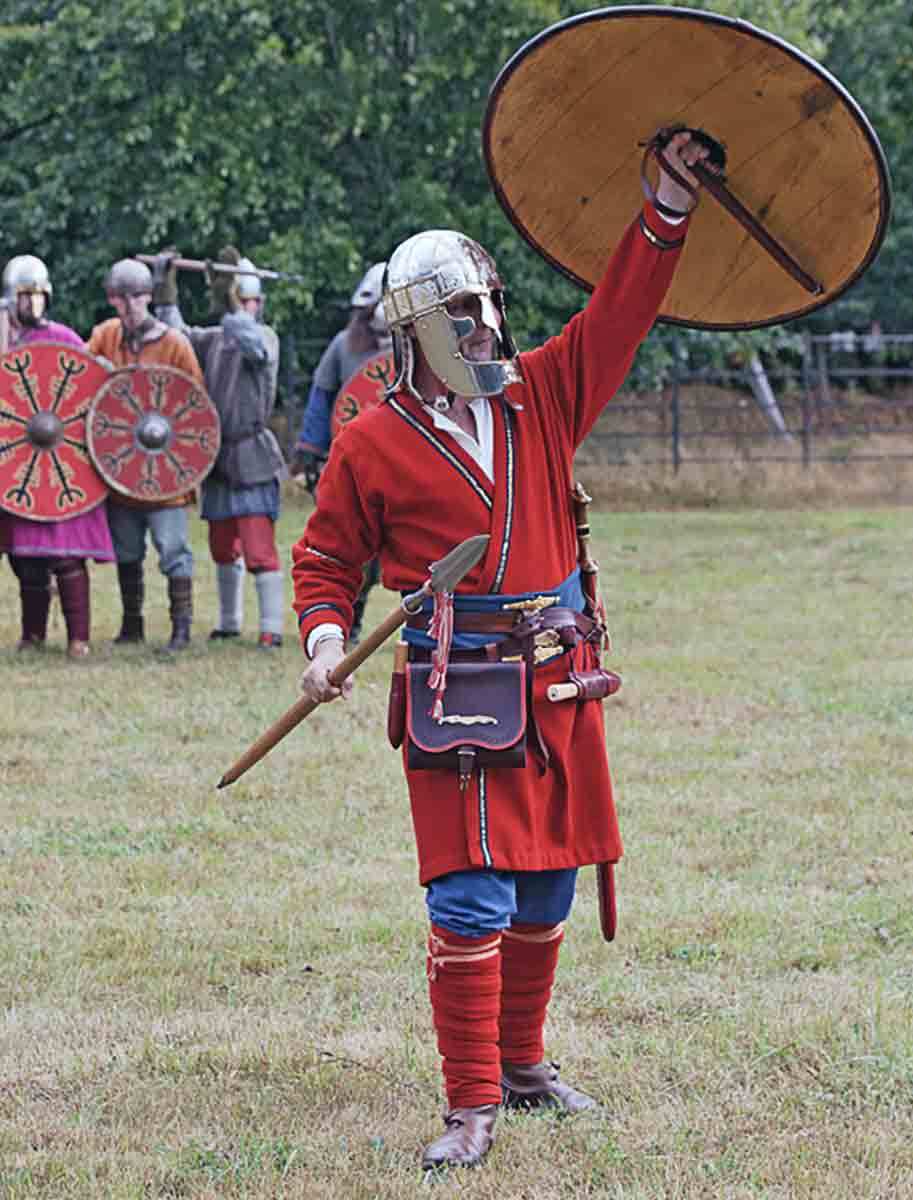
(327, 629)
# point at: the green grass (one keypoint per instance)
(221, 993)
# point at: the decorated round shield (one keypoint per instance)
(153, 432)
(45, 470)
(364, 389)
(564, 136)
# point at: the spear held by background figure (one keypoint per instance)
(444, 577)
(218, 268)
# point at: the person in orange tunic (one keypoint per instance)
(474, 438)
(136, 337)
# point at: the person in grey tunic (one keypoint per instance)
(240, 358)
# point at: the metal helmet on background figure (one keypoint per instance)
(371, 289)
(128, 277)
(27, 275)
(424, 274)
(249, 287)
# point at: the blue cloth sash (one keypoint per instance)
(568, 594)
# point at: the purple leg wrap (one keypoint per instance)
(73, 587)
(34, 594)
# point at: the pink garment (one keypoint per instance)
(84, 536)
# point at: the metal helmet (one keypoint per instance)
(249, 287)
(371, 289)
(25, 273)
(426, 272)
(129, 277)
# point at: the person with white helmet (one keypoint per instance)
(136, 337)
(472, 438)
(365, 335)
(239, 357)
(37, 549)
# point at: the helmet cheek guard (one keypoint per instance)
(426, 272)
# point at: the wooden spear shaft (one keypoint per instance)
(304, 707)
(199, 264)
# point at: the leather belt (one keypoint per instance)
(535, 637)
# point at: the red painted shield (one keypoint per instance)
(363, 390)
(45, 470)
(153, 433)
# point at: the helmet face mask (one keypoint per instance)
(429, 278)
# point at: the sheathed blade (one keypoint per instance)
(448, 571)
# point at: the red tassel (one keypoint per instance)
(441, 628)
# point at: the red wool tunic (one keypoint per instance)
(397, 487)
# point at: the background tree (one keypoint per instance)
(316, 136)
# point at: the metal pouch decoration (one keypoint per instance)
(484, 724)
(153, 433)
(45, 470)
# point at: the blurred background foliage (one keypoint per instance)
(316, 135)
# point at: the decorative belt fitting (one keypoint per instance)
(546, 643)
(534, 604)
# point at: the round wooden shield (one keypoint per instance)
(153, 432)
(45, 470)
(364, 389)
(563, 139)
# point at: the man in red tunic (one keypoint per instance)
(474, 438)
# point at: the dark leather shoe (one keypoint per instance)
(539, 1087)
(470, 1133)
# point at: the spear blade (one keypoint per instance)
(444, 575)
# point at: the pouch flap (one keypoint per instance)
(484, 706)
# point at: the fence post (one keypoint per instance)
(676, 421)
(806, 399)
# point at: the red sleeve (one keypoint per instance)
(587, 362)
(341, 536)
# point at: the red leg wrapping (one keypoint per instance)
(464, 982)
(529, 956)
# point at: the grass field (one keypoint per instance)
(221, 993)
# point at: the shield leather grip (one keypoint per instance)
(484, 708)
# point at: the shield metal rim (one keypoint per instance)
(111, 481)
(634, 11)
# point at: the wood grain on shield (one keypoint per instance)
(562, 132)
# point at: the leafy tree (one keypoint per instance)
(316, 135)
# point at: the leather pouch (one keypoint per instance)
(484, 716)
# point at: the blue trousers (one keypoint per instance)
(477, 903)
(167, 528)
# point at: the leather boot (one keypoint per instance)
(180, 602)
(539, 1086)
(470, 1133)
(132, 594)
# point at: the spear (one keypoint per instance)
(199, 264)
(444, 576)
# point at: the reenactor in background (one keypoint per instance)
(365, 335)
(37, 548)
(239, 357)
(136, 338)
